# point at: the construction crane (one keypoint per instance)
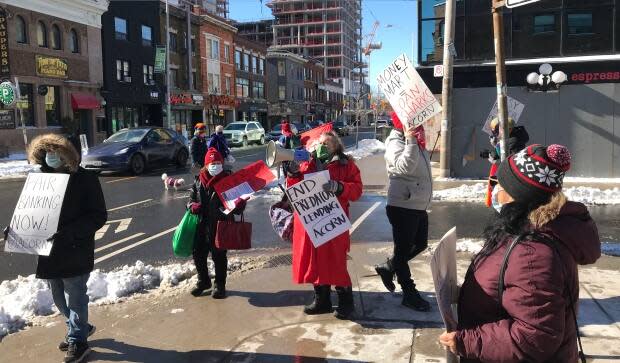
(370, 46)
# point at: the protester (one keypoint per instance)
(205, 202)
(516, 141)
(409, 194)
(71, 258)
(199, 145)
(533, 318)
(218, 141)
(289, 140)
(326, 265)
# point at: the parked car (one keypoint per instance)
(341, 128)
(382, 122)
(276, 132)
(243, 133)
(301, 127)
(136, 149)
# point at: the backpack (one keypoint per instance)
(551, 242)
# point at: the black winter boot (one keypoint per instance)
(201, 286)
(386, 273)
(413, 300)
(219, 292)
(322, 303)
(345, 303)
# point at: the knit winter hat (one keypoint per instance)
(286, 129)
(535, 173)
(396, 121)
(213, 155)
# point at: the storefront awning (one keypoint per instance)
(84, 101)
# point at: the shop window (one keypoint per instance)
(56, 37)
(580, 23)
(41, 35)
(147, 36)
(120, 28)
(52, 106)
(74, 41)
(21, 30)
(544, 23)
(25, 104)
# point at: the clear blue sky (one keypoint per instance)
(397, 39)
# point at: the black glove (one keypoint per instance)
(333, 186)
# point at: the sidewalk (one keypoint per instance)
(262, 321)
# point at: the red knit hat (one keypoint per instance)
(286, 129)
(396, 121)
(213, 155)
(535, 173)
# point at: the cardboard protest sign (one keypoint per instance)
(243, 183)
(320, 212)
(443, 269)
(37, 213)
(409, 96)
(308, 137)
(515, 109)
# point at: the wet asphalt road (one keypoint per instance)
(142, 216)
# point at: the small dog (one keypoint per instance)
(172, 182)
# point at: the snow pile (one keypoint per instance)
(469, 246)
(477, 193)
(588, 195)
(367, 147)
(611, 248)
(20, 300)
(10, 168)
(24, 298)
(464, 193)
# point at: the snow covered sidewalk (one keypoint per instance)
(15, 166)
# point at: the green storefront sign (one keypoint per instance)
(160, 59)
(7, 93)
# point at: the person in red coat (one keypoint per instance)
(533, 319)
(326, 265)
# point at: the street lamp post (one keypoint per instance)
(168, 112)
(546, 80)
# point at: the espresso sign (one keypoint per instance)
(51, 67)
(319, 211)
(5, 71)
(36, 214)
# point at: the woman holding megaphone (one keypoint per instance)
(326, 266)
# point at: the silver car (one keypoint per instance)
(243, 133)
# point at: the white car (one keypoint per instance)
(243, 133)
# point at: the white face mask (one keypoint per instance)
(494, 201)
(53, 160)
(215, 169)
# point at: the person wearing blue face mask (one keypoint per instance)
(71, 258)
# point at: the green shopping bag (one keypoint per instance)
(183, 239)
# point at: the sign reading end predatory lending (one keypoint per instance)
(409, 96)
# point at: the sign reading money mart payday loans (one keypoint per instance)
(409, 96)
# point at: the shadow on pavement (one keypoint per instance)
(123, 352)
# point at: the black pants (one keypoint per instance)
(410, 233)
(202, 248)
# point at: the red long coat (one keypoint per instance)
(326, 265)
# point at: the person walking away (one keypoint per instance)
(536, 242)
(205, 203)
(71, 258)
(218, 141)
(199, 145)
(409, 194)
(326, 265)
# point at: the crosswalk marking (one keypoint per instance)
(121, 179)
(361, 218)
(110, 245)
(123, 225)
(129, 205)
(126, 248)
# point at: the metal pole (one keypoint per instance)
(168, 85)
(446, 92)
(500, 74)
(21, 114)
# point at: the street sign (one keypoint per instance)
(7, 93)
(516, 3)
(160, 59)
(438, 71)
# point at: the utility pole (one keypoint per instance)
(189, 46)
(446, 91)
(500, 74)
(168, 85)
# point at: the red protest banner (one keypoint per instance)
(309, 136)
(243, 183)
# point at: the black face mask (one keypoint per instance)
(221, 133)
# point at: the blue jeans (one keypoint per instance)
(71, 300)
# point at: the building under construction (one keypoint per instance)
(327, 30)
